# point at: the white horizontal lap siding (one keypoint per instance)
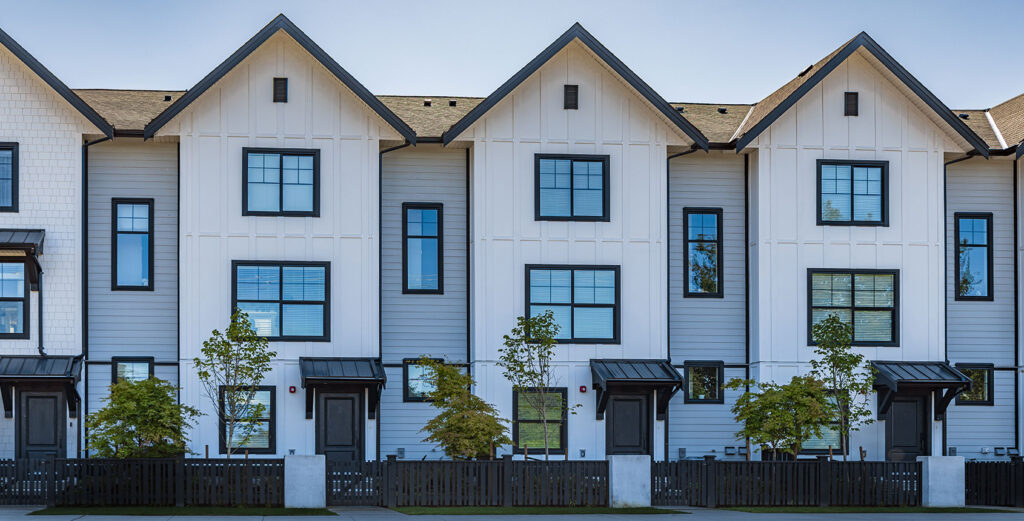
(704, 429)
(973, 428)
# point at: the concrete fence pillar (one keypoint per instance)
(942, 481)
(629, 480)
(305, 481)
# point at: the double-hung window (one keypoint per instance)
(584, 301)
(422, 245)
(129, 368)
(973, 256)
(702, 247)
(13, 300)
(531, 410)
(8, 177)
(830, 441)
(982, 384)
(571, 187)
(256, 436)
(853, 193)
(133, 244)
(281, 182)
(285, 301)
(867, 299)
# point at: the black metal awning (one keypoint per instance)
(941, 378)
(62, 371)
(27, 244)
(341, 371)
(611, 375)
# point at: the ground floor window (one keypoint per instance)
(982, 385)
(703, 382)
(417, 388)
(134, 369)
(531, 409)
(256, 436)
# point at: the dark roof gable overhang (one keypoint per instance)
(902, 377)
(862, 40)
(280, 23)
(577, 32)
(64, 371)
(611, 375)
(321, 372)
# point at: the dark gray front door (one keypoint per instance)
(906, 429)
(41, 430)
(340, 426)
(628, 424)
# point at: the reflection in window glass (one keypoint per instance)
(703, 383)
(283, 301)
(133, 242)
(422, 248)
(703, 252)
(865, 300)
(12, 298)
(973, 251)
(134, 371)
(417, 385)
(583, 301)
(979, 391)
(529, 425)
(851, 193)
(571, 187)
(280, 182)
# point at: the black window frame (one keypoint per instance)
(129, 359)
(13, 147)
(564, 422)
(989, 250)
(405, 247)
(326, 337)
(616, 308)
(686, 252)
(406, 362)
(605, 186)
(991, 385)
(114, 202)
(26, 301)
(272, 421)
(305, 152)
(717, 364)
(884, 165)
(895, 342)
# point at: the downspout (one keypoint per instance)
(1016, 312)
(85, 288)
(39, 321)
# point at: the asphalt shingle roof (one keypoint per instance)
(128, 109)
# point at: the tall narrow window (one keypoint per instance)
(422, 245)
(132, 244)
(571, 188)
(8, 177)
(702, 245)
(853, 193)
(13, 300)
(256, 436)
(583, 299)
(867, 299)
(973, 256)
(284, 301)
(281, 182)
(531, 410)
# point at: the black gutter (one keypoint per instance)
(85, 281)
(39, 321)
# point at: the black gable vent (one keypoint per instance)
(964, 115)
(167, 98)
(426, 103)
(572, 97)
(452, 103)
(723, 110)
(850, 104)
(280, 90)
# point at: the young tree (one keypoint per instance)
(781, 417)
(140, 420)
(847, 376)
(467, 426)
(232, 366)
(526, 362)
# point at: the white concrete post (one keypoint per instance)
(942, 481)
(305, 481)
(629, 480)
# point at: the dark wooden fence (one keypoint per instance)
(710, 483)
(468, 483)
(995, 483)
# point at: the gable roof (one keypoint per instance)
(280, 23)
(431, 121)
(777, 103)
(82, 107)
(577, 32)
(717, 121)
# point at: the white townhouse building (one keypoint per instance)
(678, 245)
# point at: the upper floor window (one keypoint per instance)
(281, 182)
(867, 299)
(853, 193)
(973, 256)
(702, 244)
(422, 243)
(132, 264)
(134, 369)
(571, 188)
(982, 384)
(8, 177)
(285, 301)
(583, 299)
(13, 300)
(256, 436)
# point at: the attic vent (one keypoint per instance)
(167, 98)
(572, 97)
(964, 115)
(850, 106)
(680, 109)
(805, 71)
(426, 103)
(723, 110)
(452, 103)
(280, 90)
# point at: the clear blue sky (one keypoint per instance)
(708, 51)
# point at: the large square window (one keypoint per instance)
(132, 244)
(853, 193)
(583, 299)
(281, 182)
(704, 382)
(867, 299)
(571, 188)
(13, 300)
(285, 301)
(422, 248)
(973, 260)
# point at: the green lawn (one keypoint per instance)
(865, 510)
(508, 511)
(182, 511)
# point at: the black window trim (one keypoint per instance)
(686, 252)
(605, 185)
(718, 364)
(405, 247)
(26, 301)
(563, 439)
(114, 202)
(990, 369)
(990, 250)
(129, 359)
(272, 421)
(13, 147)
(313, 152)
(884, 222)
(406, 362)
(616, 310)
(280, 91)
(327, 296)
(895, 342)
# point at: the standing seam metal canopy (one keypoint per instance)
(333, 371)
(22, 370)
(895, 377)
(657, 375)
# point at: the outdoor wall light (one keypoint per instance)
(583, 453)
(682, 452)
